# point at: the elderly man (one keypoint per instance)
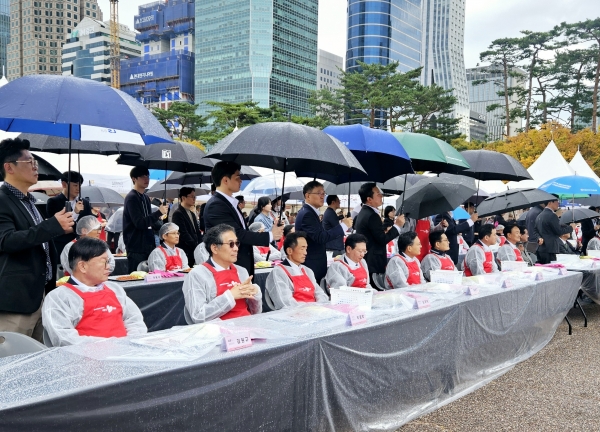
(291, 283)
(87, 308)
(404, 269)
(351, 269)
(437, 258)
(167, 256)
(509, 251)
(480, 258)
(264, 253)
(215, 289)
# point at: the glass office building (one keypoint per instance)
(4, 31)
(256, 50)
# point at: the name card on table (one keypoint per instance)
(539, 277)
(356, 316)
(236, 340)
(472, 290)
(562, 271)
(151, 277)
(508, 284)
(420, 302)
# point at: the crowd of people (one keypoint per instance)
(313, 252)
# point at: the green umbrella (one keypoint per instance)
(431, 154)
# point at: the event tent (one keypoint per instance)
(549, 165)
(581, 168)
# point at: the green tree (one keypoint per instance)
(402, 95)
(328, 106)
(185, 114)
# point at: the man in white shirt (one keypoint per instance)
(480, 258)
(404, 269)
(351, 269)
(509, 251)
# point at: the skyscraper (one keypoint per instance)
(256, 50)
(328, 70)
(38, 30)
(4, 32)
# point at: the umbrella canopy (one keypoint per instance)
(46, 170)
(523, 217)
(379, 153)
(101, 196)
(593, 201)
(181, 157)
(513, 199)
(170, 191)
(60, 145)
(41, 198)
(491, 165)
(271, 185)
(246, 173)
(578, 214)
(571, 186)
(435, 195)
(342, 189)
(431, 154)
(396, 184)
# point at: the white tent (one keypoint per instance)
(549, 165)
(580, 166)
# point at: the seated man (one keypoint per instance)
(565, 247)
(167, 256)
(522, 245)
(351, 269)
(214, 289)
(480, 258)
(87, 308)
(404, 269)
(88, 226)
(263, 253)
(201, 254)
(437, 259)
(500, 238)
(509, 250)
(292, 283)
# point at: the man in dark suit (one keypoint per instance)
(548, 227)
(27, 254)
(369, 223)
(203, 228)
(317, 237)
(530, 219)
(223, 208)
(565, 247)
(588, 231)
(185, 218)
(453, 229)
(472, 234)
(330, 221)
(79, 206)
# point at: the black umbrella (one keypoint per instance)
(60, 145)
(593, 201)
(46, 170)
(171, 191)
(41, 198)
(396, 185)
(523, 217)
(435, 195)
(246, 173)
(102, 197)
(344, 188)
(578, 214)
(491, 165)
(513, 199)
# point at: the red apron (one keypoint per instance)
(102, 314)
(102, 231)
(414, 271)
(224, 280)
(518, 254)
(502, 240)
(280, 243)
(173, 262)
(263, 250)
(66, 272)
(487, 264)
(361, 278)
(390, 247)
(304, 290)
(446, 262)
(422, 230)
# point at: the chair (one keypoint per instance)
(46, 338)
(186, 315)
(379, 280)
(324, 287)
(17, 343)
(269, 301)
(143, 266)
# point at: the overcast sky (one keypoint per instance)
(486, 20)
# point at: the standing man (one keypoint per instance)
(453, 229)
(548, 227)
(185, 218)
(80, 208)
(138, 219)
(203, 228)
(368, 223)
(472, 234)
(223, 208)
(27, 254)
(530, 219)
(588, 231)
(316, 236)
(330, 221)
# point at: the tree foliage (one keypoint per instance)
(184, 114)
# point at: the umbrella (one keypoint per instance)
(272, 185)
(578, 214)
(396, 185)
(60, 145)
(41, 198)
(593, 201)
(344, 188)
(102, 197)
(571, 186)
(164, 191)
(435, 195)
(523, 217)
(491, 165)
(246, 173)
(77, 109)
(513, 199)
(46, 171)
(379, 153)
(431, 154)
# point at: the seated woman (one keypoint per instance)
(88, 308)
(351, 269)
(215, 289)
(87, 226)
(263, 253)
(167, 256)
(291, 283)
(437, 259)
(404, 269)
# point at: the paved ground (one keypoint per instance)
(558, 389)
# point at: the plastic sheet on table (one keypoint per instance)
(391, 299)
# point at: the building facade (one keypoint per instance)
(329, 66)
(86, 52)
(4, 33)
(38, 30)
(256, 50)
(477, 126)
(165, 72)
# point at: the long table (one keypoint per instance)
(590, 284)
(325, 376)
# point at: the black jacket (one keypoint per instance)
(308, 221)
(588, 232)
(567, 248)
(530, 219)
(22, 256)
(452, 231)
(549, 228)
(189, 232)
(369, 224)
(220, 211)
(56, 204)
(137, 218)
(330, 221)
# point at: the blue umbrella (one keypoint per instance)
(571, 186)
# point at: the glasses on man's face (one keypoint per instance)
(33, 162)
(231, 244)
(105, 263)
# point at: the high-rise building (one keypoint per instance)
(443, 58)
(478, 129)
(329, 66)
(37, 33)
(483, 95)
(86, 52)
(256, 50)
(165, 72)
(4, 32)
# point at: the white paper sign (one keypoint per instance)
(151, 277)
(236, 341)
(356, 316)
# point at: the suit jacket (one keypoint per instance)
(330, 221)
(56, 204)
(588, 231)
(22, 256)
(369, 224)
(189, 232)
(530, 219)
(549, 228)
(452, 231)
(220, 211)
(308, 221)
(567, 248)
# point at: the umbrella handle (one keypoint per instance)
(349, 185)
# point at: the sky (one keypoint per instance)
(485, 20)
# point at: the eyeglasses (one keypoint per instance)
(231, 244)
(33, 162)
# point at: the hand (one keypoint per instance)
(400, 220)
(78, 207)
(277, 232)
(103, 224)
(444, 223)
(597, 227)
(244, 290)
(347, 221)
(164, 209)
(540, 241)
(65, 219)
(573, 225)
(474, 217)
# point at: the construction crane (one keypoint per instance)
(115, 46)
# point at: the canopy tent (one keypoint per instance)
(581, 168)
